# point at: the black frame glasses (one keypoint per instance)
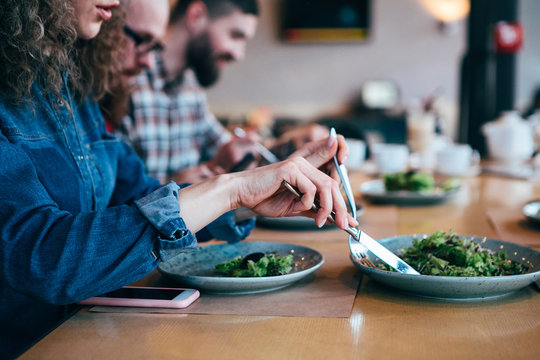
(143, 45)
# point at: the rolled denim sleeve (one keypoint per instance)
(226, 228)
(162, 210)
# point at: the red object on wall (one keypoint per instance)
(508, 37)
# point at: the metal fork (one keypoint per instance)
(358, 251)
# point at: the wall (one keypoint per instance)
(306, 80)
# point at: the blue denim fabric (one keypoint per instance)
(78, 216)
(226, 228)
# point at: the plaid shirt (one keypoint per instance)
(170, 125)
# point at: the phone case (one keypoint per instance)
(186, 298)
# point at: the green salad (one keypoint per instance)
(453, 255)
(416, 181)
(256, 265)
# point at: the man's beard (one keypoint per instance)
(200, 58)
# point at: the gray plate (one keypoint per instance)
(532, 211)
(375, 192)
(295, 222)
(458, 287)
(292, 222)
(197, 269)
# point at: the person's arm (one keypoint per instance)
(133, 184)
(60, 256)
(194, 174)
(261, 190)
(294, 139)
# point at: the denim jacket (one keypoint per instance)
(78, 216)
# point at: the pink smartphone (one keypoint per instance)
(146, 297)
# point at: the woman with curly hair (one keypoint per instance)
(78, 217)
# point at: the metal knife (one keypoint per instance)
(377, 249)
(384, 254)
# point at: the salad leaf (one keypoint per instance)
(418, 181)
(269, 265)
(451, 255)
(409, 181)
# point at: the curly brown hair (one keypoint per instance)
(100, 57)
(38, 44)
(113, 97)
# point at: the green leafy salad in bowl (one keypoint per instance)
(417, 181)
(256, 265)
(453, 255)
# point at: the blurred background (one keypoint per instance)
(401, 54)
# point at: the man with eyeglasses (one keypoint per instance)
(144, 46)
(170, 124)
(145, 25)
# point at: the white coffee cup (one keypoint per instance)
(357, 153)
(456, 159)
(390, 158)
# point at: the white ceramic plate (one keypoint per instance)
(296, 222)
(532, 211)
(375, 192)
(196, 269)
(451, 287)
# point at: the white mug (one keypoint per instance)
(357, 153)
(390, 158)
(456, 159)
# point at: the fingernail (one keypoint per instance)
(330, 142)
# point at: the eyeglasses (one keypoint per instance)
(143, 44)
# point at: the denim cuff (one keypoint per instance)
(161, 208)
(225, 228)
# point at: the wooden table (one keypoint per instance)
(383, 324)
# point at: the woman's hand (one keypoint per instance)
(320, 154)
(261, 190)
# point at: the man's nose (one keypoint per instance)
(239, 52)
(146, 60)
